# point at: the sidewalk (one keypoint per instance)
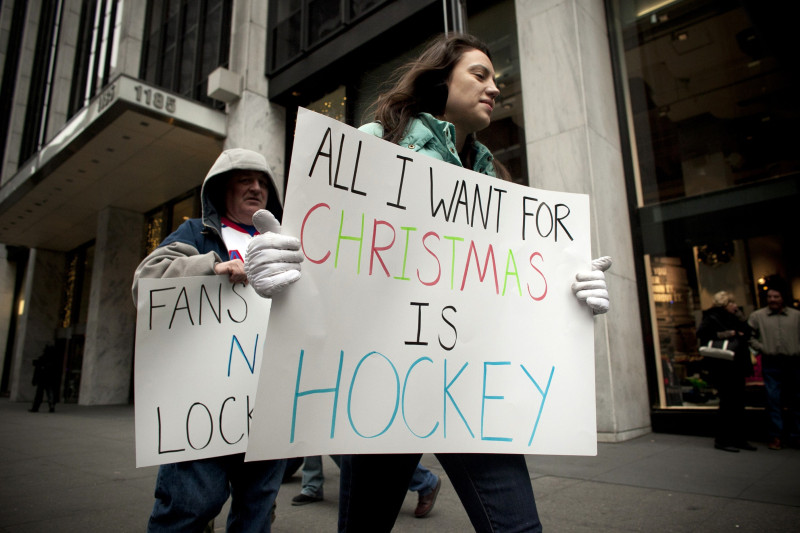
(73, 471)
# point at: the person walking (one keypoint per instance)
(435, 107)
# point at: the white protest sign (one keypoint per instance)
(434, 312)
(199, 350)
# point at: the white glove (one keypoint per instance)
(273, 260)
(591, 286)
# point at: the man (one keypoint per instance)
(776, 336)
(191, 493)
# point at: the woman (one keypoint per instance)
(435, 106)
(725, 321)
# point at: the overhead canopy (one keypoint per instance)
(133, 147)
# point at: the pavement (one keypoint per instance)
(74, 471)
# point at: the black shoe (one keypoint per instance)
(744, 445)
(726, 448)
(304, 499)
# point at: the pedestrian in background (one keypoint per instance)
(46, 375)
(725, 321)
(776, 336)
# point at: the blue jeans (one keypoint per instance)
(313, 478)
(192, 493)
(495, 490)
(782, 384)
(423, 481)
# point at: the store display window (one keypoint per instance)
(707, 96)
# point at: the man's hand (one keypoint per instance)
(590, 287)
(273, 260)
(234, 269)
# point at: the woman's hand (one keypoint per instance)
(590, 287)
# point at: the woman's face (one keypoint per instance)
(470, 93)
(731, 307)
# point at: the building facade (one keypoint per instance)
(670, 115)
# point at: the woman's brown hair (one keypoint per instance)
(420, 86)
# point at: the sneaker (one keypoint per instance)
(425, 503)
(305, 499)
(775, 444)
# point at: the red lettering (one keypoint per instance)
(481, 275)
(376, 250)
(302, 232)
(539, 298)
(438, 264)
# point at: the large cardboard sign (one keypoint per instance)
(199, 352)
(434, 312)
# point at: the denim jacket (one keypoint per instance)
(435, 138)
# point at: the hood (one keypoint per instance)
(212, 194)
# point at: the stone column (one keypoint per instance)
(11, 161)
(37, 324)
(254, 122)
(573, 145)
(111, 321)
(129, 41)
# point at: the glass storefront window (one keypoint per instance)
(708, 89)
(711, 103)
(333, 104)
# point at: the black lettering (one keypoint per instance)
(559, 219)
(329, 155)
(338, 164)
(462, 200)
(160, 451)
(210, 421)
(243, 301)
(222, 433)
(400, 186)
(500, 193)
(218, 311)
(526, 213)
(185, 297)
(156, 306)
(550, 215)
(418, 342)
(455, 331)
(440, 205)
(355, 171)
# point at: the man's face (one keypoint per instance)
(246, 193)
(774, 300)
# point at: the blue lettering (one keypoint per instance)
(405, 385)
(487, 364)
(448, 395)
(544, 397)
(396, 401)
(252, 367)
(298, 394)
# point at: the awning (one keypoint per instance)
(133, 147)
